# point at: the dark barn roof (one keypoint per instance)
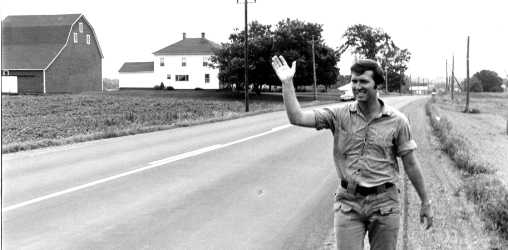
(189, 46)
(33, 41)
(131, 67)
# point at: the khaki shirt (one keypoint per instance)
(366, 152)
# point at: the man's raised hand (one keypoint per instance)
(283, 71)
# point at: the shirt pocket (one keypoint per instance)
(383, 138)
(383, 143)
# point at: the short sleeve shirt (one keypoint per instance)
(366, 152)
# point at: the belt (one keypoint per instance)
(368, 190)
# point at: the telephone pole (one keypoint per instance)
(314, 70)
(386, 77)
(246, 78)
(446, 84)
(467, 79)
(453, 74)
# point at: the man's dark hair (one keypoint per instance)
(367, 64)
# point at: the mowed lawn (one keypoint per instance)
(33, 121)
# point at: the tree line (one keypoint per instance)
(485, 81)
(293, 40)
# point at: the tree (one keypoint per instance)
(475, 85)
(374, 43)
(490, 81)
(230, 57)
(291, 39)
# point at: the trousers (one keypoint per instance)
(375, 214)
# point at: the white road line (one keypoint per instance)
(151, 165)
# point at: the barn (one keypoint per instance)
(48, 54)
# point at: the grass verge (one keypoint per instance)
(480, 184)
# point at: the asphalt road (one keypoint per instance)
(250, 183)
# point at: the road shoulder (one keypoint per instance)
(456, 224)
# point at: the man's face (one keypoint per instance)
(364, 87)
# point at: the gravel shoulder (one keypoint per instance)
(456, 223)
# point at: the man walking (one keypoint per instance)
(368, 136)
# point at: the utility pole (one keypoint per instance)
(314, 70)
(446, 84)
(467, 79)
(410, 87)
(400, 82)
(386, 77)
(246, 58)
(453, 74)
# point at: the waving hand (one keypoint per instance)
(283, 71)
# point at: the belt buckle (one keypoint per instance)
(351, 187)
(381, 189)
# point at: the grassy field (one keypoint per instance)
(485, 133)
(31, 121)
(478, 143)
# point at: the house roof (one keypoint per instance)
(33, 41)
(189, 46)
(131, 67)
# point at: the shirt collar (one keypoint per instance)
(385, 111)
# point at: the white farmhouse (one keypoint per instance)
(183, 65)
(186, 64)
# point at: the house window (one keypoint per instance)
(181, 78)
(88, 39)
(205, 61)
(207, 78)
(168, 76)
(80, 27)
(184, 61)
(75, 37)
(162, 61)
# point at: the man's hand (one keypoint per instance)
(426, 212)
(283, 71)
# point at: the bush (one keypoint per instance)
(198, 88)
(170, 88)
(159, 87)
(474, 111)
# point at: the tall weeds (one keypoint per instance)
(480, 184)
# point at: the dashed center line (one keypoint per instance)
(151, 165)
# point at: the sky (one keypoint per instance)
(432, 30)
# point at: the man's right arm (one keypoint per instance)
(295, 114)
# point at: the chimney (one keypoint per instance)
(183, 34)
(202, 34)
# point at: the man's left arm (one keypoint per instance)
(406, 147)
(413, 171)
